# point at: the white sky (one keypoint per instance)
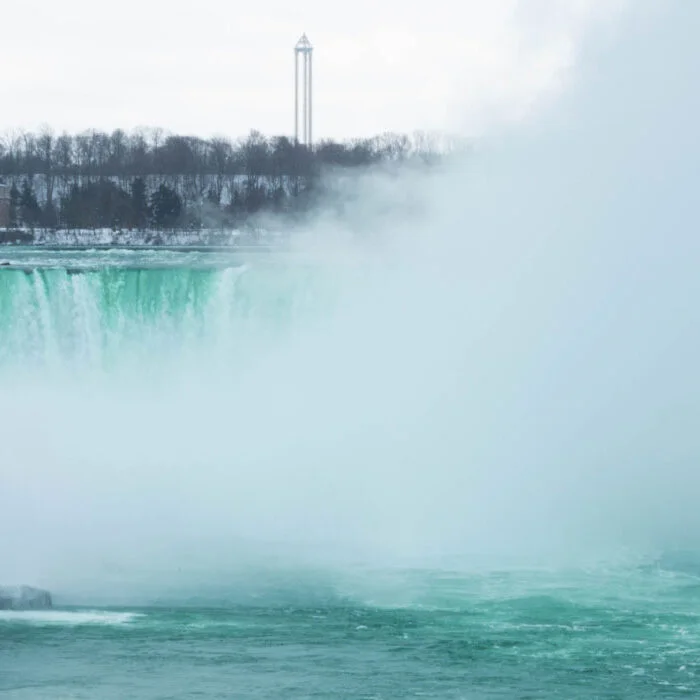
(224, 67)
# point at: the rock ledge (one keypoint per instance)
(24, 598)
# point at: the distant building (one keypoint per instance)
(4, 206)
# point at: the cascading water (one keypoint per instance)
(92, 320)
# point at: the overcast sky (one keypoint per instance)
(221, 67)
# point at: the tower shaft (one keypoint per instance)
(303, 110)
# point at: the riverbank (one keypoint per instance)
(105, 238)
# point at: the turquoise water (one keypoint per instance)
(606, 634)
(241, 476)
(99, 309)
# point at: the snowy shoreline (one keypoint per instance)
(137, 238)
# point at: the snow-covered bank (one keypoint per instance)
(106, 236)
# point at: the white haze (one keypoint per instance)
(513, 375)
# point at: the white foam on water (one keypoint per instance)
(68, 618)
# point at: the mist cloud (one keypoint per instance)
(518, 377)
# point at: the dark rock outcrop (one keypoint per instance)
(24, 598)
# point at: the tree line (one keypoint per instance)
(150, 178)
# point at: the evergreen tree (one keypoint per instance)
(214, 196)
(166, 207)
(96, 205)
(49, 216)
(139, 204)
(14, 206)
(29, 209)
